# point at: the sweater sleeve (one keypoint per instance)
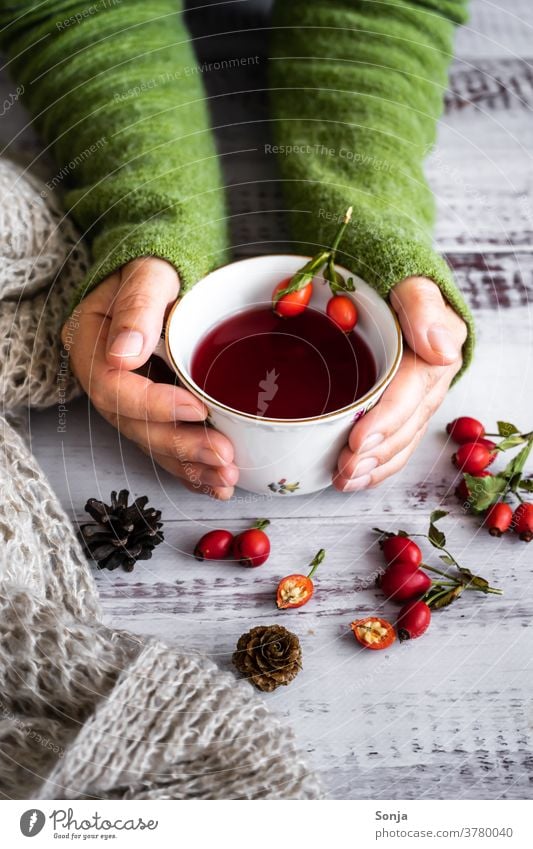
(117, 97)
(357, 88)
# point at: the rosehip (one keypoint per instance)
(465, 429)
(462, 492)
(413, 620)
(341, 309)
(472, 457)
(403, 581)
(498, 519)
(397, 548)
(492, 446)
(252, 547)
(523, 521)
(373, 633)
(294, 303)
(214, 545)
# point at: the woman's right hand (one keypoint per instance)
(113, 332)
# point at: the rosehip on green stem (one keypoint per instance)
(215, 545)
(462, 492)
(294, 303)
(342, 310)
(252, 547)
(498, 519)
(403, 581)
(472, 457)
(523, 521)
(465, 429)
(398, 548)
(413, 620)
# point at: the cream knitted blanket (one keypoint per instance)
(87, 711)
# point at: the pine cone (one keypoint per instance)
(269, 656)
(122, 534)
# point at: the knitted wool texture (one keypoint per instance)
(87, 711)
(357, 87)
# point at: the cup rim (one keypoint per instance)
(212, 402)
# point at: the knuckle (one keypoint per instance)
(132, 302)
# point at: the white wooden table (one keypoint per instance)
(449, 715)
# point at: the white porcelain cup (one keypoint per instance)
(278, 456)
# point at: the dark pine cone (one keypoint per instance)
(122, 534)
(269, 656)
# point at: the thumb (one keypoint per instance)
(432, 329)
(146, 287)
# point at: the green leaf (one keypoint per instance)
(382, 532)
(518, 462)
(510, 442)
(445, 600)
(483, 492)
(480, 583)
(526, 485)
(506, 428)
(436, 537)
(402, 533)
(436, 515)
(447, 559)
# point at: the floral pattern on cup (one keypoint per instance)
(284, 488)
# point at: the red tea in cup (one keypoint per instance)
(264, 365)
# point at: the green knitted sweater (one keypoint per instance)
(356, 90)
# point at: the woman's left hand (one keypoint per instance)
(382, 442)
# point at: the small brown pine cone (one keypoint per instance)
(269, 656)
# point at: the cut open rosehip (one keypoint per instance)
(252, 547)
(296, 590)
(465, 429)
(373, 632)
(214, 545)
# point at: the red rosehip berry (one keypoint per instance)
(292, 304)
(523, 521)
(403, 581)
(465, 429)
(498, 519)
(214, 545)
(341, 309)
(413, 620)
(252, 547)
(472, 457)
(397, 548)
(462, 492)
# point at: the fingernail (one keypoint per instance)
(364, 466)
(371, 442)
(442, 342)
(356, 483)
(129, 343)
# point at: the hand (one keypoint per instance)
(119, 326)
(382, 442)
